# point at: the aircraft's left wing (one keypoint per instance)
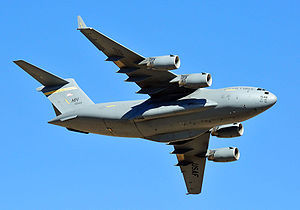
(191, 155)
(120, 55)
(152, 82)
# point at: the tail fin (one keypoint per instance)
(64, 94)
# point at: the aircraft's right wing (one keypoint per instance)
(191, 155)
(152, 82)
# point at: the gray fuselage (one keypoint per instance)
(201, 110)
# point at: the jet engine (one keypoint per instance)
(162, 63)
(228, 131)
(193, 81)
(227, 154)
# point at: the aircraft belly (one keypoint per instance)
(194, 121)
(170, 124)
(124, 128)
(87, 124)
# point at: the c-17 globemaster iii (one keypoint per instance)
(179, 111)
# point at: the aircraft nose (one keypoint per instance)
(272, 99)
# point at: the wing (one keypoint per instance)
(152, 82)
(191, 155)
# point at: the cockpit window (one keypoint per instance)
(261, 89)
(266, 92)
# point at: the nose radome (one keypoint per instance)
(272, 99)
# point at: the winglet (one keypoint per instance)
(81, 24)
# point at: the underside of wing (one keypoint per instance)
(155, 83)
(191, 155)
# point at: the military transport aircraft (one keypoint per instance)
(179, 110)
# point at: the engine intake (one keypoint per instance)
(162, 63)
(228, 131)
(227, 154)
(193, 81)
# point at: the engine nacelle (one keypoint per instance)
(227, 154)
(193, 81)
(228, 131)
(162, 63)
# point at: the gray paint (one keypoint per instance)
(227, 105)
(180, 116)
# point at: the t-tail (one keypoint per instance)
(64, 94)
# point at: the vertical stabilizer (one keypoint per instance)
(64, 94)
(67, 97)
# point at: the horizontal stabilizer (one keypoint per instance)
(44, 77)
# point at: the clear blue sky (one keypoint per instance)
(253, 43)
